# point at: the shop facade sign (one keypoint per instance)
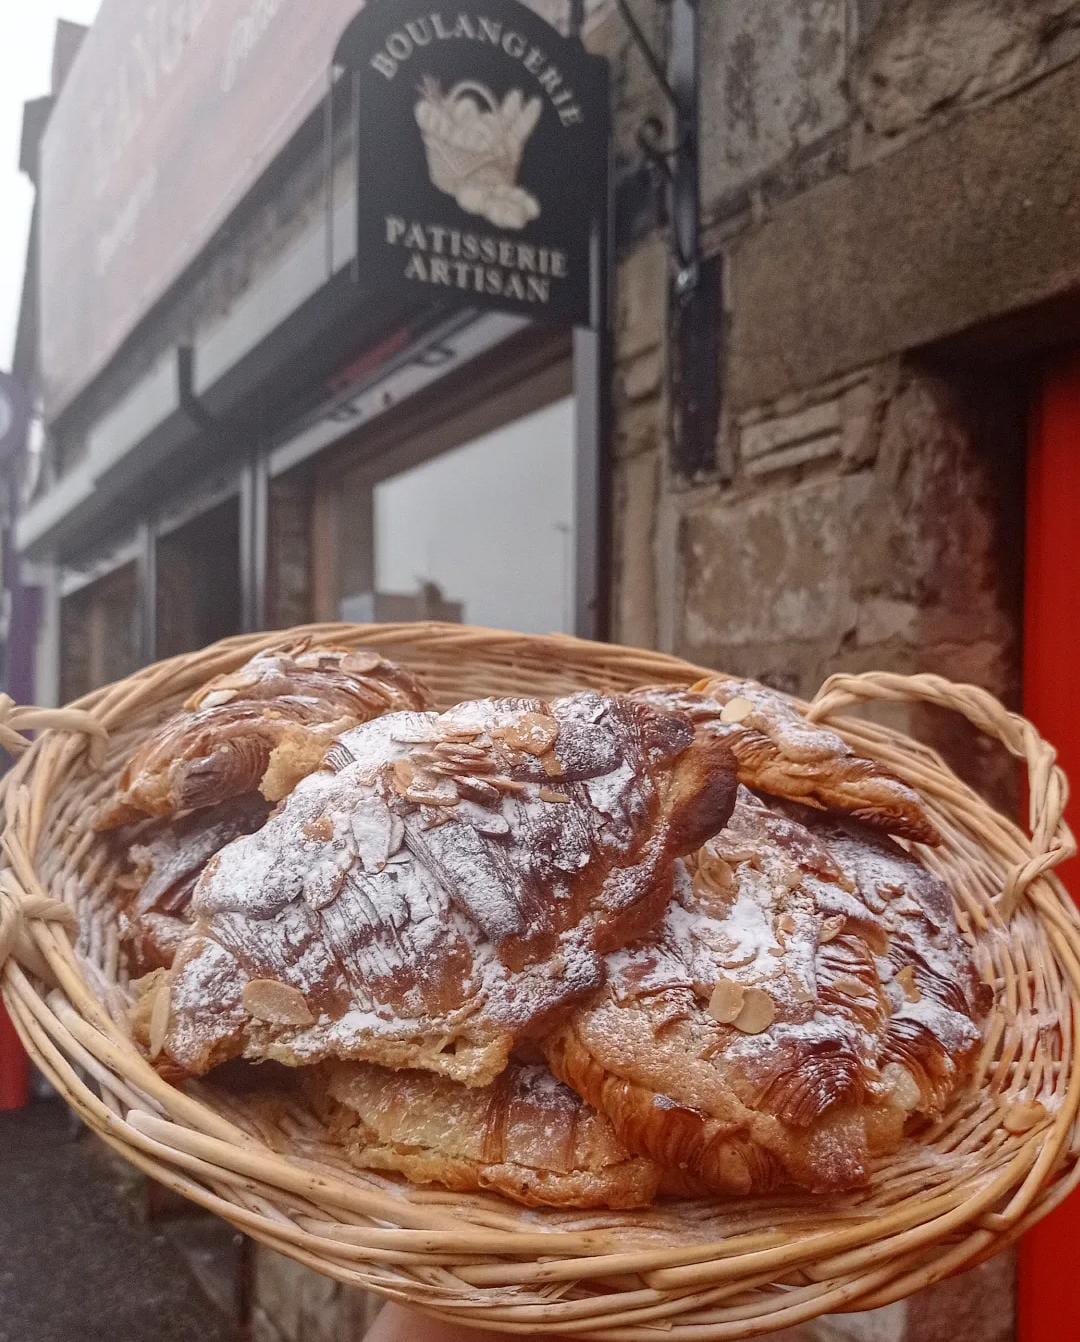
(172, 111)
(482, 156)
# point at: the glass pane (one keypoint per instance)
(482, 534)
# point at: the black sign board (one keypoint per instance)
(482, 150)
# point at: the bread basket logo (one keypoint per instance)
(474, 146)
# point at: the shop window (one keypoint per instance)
(480, 532)
(99, 633)
(198, 581)
(484, 534)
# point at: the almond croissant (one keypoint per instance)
(807, 994)
(779, 752)
(261, 727)
(167, 858)
(445, 886)
(525, 1135)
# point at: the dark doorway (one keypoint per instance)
(198, 580)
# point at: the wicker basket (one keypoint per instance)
(1004, 1154)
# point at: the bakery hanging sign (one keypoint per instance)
(481, 155)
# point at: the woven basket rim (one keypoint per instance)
(477, 1259)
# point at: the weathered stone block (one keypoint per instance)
(643, 375)
(637, 486)
(906, 564)
(772, 84)
(811, 434)
(966, 226)
(921, 58)
(772, 569)
(640, 427)
(888, 1324)
(641, 298)
(861, 412)
(978, 1306)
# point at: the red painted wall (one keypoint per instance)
(1050, 1254)
(14, 1069)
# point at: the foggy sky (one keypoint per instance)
(26, 37)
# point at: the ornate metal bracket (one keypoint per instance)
(695, 314)
(676, 159)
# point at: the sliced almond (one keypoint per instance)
(403, 772)
(831, 928)
(553, 766)
(549, 794)
(216, 698)
(903, 1088)
(1022, 1117)
(786, 923)
(737, 963)
(221, 690)
(413, 729)
(428, 789)
(449, 730)
(851, 986)
(459, 751)
(360, 661)
(160, 1014)
(277, 1003)
(477, 789)
(532, 734)
(713, 875)
(906, 980)
(319, 830)
(726, 1001)
(758, 1012)
(736, 710)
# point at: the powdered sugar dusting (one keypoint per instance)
(221, 743)
(424, 927)
(874, 1000)
(779, 752)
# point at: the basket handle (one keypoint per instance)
(15, 720)
(1052, 841)
(16, 912)
(484, 94)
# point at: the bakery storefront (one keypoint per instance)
(746, 332)
(359, 381)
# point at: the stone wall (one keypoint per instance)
(873, 515)
(889, 186)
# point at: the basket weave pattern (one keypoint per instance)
(969, 1186)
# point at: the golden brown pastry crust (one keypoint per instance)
(446, 886)
(262, 727)
(525, 1135)
(780, 753)
(167, 857)
(807, 994)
